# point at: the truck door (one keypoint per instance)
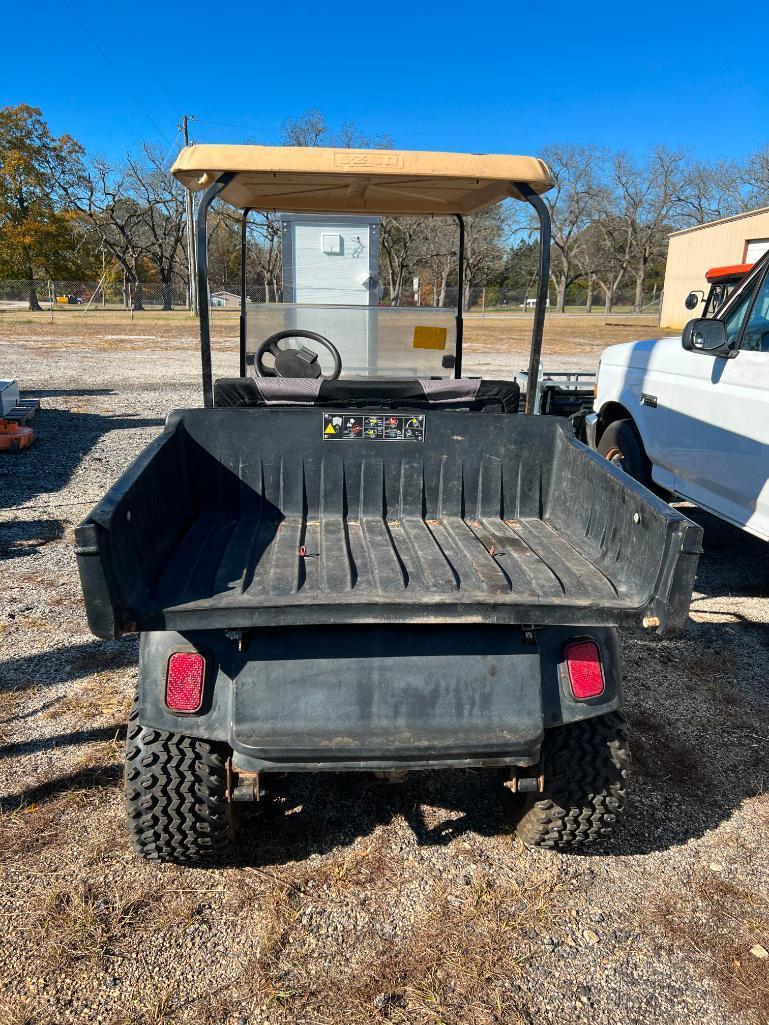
(719, 419)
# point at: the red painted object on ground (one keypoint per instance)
(14, 437)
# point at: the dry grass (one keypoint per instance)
(101, 696)
(458, 962)
(15, 1010)
(12, 702)
(716, 922)
(572, 336)
(83, 920)
(111, 331)
(30, 825)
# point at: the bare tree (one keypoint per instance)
(587, 259)
(102, 197)
(571, 203)
(648, 196)
(484, 233)
(436, 255)
(312, 129)
(309, 129)
(707, 192)
(611, 237)
(223, 248)
(755, 176)
(400, 239)
(161, 226)
(267, 254)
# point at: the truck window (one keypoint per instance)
(737, 316)
(756, 335)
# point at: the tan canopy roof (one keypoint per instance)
(324, 180)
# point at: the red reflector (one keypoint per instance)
(184, 681)
(583, 662)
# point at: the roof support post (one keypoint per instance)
(203, 299)
(243, 223)
(543, 288)
(460, 297)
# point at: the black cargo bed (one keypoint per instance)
(248, 517)
(248, 562)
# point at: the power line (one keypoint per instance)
(226, 124)
(128, 88)
(146, 59)
(172, 146)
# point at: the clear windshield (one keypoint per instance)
(373, 341)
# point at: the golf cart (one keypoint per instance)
(354, 559)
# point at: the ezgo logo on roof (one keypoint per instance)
(348, 158)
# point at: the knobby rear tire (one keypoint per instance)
(175, 795)
(585, 767)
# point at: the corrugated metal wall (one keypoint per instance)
(693, 252)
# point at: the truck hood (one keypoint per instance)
(640, 355)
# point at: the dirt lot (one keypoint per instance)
(351, 900)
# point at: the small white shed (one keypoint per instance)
(331, 260)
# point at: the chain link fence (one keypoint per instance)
(63, 296)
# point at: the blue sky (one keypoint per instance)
(481, 78)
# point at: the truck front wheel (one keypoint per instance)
(176, 801)
(621, 444)
(585, 766)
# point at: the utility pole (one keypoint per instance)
(191, 262)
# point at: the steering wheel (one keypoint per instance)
(296, 362)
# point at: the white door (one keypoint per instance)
(331, 264)
(756, 249)
(719, 420)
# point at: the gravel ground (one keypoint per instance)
(352, 900)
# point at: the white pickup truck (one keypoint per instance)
(690, 414)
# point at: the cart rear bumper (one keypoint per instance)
(378, 697)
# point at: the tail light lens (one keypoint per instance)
(583, 664)
(184, 681)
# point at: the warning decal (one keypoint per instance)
(374, 427)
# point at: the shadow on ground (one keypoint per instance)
(53, 393)
(26, 537)
(67, 664)
(63, 439)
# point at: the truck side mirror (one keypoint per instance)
(707, 336)
(693, 300)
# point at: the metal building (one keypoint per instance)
(742, 238)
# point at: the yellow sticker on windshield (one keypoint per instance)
(430, 337)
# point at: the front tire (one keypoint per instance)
(585, 766)
(621, 444)
(177, 809)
